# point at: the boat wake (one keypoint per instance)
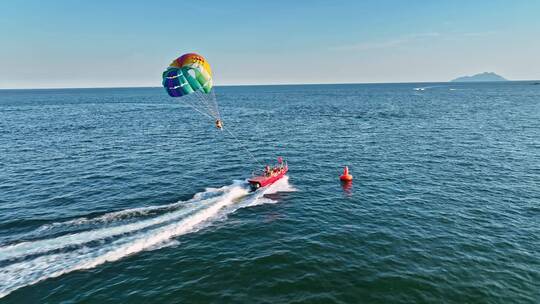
(115, 235)
(427, 88)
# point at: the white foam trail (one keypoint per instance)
(41, 246)
(106, 218)
(35, 269)
(159, 235)
(281, 185)
(31, 271)
(74, 222)
(122, 214)
(169, 243)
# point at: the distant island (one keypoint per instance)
(486, 76)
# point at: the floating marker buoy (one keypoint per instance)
(346, 177)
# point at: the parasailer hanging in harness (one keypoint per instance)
(219, 124)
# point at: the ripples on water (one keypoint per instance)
(116, 195)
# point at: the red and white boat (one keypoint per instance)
(269, 176)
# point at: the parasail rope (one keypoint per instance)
(195, 108)
(210, 99)
(215, 103)
(245, 148)
(211, 105)
(205, 103)
(208, 103)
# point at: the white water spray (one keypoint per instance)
(34, 261)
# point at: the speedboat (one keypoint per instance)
(269, 176)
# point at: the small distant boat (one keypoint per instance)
(269, 176)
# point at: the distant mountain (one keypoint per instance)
(486, 76)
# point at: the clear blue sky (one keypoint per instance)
(128, 43)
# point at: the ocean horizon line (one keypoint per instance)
(265, 84)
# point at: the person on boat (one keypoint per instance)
(280, 164)
(219, 124)
(267, 171)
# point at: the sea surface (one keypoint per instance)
(128, 195)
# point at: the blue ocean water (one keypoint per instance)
(127, 195)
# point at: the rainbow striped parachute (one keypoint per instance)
(190, 77)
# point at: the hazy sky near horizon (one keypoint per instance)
(129, 43)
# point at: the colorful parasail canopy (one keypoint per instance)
(188, 74)
(190, 77)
